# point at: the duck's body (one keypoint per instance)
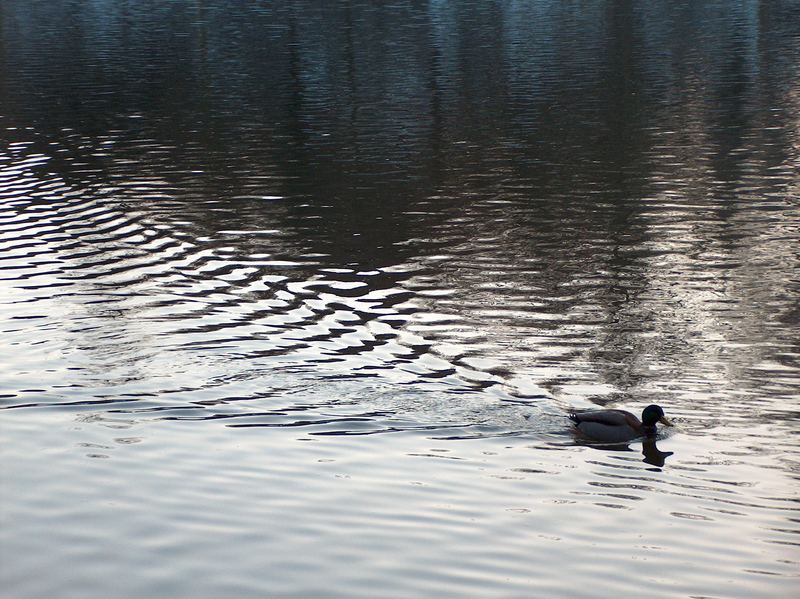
(619, 426)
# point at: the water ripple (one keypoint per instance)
(324, 281)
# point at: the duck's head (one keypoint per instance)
(653, 414)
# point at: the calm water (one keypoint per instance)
(295, 296)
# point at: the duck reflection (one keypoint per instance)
(652, 454)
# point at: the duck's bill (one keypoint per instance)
(665, 421)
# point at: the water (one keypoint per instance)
(295, 298)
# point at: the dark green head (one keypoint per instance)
(653, 414)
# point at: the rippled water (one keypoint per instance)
(295, 297)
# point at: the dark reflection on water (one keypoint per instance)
(517, 191)
(458, 219)
(649, 449)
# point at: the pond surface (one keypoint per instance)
(295, 298)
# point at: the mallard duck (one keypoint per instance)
(617, 426)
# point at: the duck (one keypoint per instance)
(619, 426)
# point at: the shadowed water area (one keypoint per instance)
(295, 298)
